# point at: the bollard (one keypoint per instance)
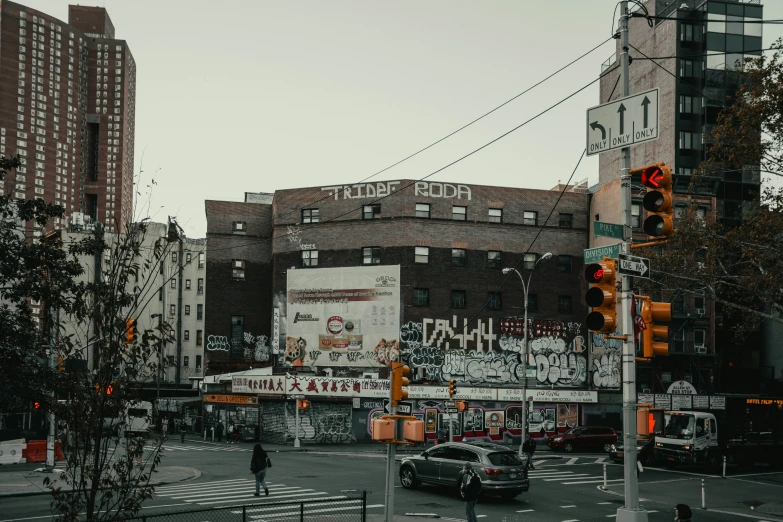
(703, 497)
(724, 466)
(605, 477)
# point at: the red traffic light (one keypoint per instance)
(598, 274)
(37, 404)
(652, 177)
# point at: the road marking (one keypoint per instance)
(311, 496)
(193, 484)
(568, 506)
(216, 494)
(595, 480)
(231, 498)
(754, 517)
(757, 482)
(311, 511)
(756, 474)
(604, 503)
(600, 461)
(613, 516)
(525, 510)
(571, 461)
(572, 520)
(567, 477)
(267, 507)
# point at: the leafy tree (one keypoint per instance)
(736, 263)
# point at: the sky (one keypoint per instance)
(259, 95)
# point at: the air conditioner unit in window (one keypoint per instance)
(700, 312)
(700, 348)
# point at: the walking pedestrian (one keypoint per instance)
(139, 450)
(165, 427)
(470, 487)
(528, 448)
(183, 427)
(682, 513)
(219, 431)
(259, 463)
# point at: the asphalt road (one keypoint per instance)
(561, 490)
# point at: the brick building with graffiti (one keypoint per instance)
(459, 316)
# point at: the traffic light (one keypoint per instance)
(37, 405)
(130, 331)
(302, 404)
(461, 405)
(451, 388)
(649, 421)
(653, 313)
(658, 200)
(60, 365)
(602, 296)
(399, 381)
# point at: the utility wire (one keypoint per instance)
(670, 73)
(714, 53)
(569, 64)
(469, 154)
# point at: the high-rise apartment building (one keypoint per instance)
(691, 54)
(67, 108)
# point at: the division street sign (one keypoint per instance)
(593, 255)
(623, 122)
(634, 266)
(607, 229)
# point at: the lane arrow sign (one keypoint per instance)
(645, 105)
(595, 125)
(621, 110)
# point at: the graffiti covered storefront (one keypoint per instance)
(341, 409)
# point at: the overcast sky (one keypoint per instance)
(259, 95)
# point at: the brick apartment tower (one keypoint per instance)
(67, 107)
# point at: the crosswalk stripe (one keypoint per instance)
(262, 507)
(201, 484)
(237, 494)
(339, 501)
(572, 461)
(311, 496)
(179, 496)
(205, 489)
(311, 512)
(548, 473)
(597, 480)
(568, 477)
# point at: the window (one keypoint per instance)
(564, 304)
(421, 297)
(201, 260)
(687, 69)
(238, 269)
(686, 104)
(310, 215)
(371, 212)
(494, 259)
(698, 337)
(187, 309)
(200, 286)
(529, 261)
(530, 218)
(172, 309)
(494, 300)
(198, 359)
(458, 298)
(495, 215)
(160, 294)
(199, 337)
(199, 312)
(565, 220)
(173, 283)
(371, 256)
(423, 210)
(187, 284)
(690, 33)
(238, 227)
(185, 361)
(309, 258)
(698, 303)
(421, 255)
(688, 140)
(532, 302)
(186, 335)
(680, 212)
(237, 330)
(459, 257)
(636, 215)
(459, 213)
(188, 257)
(173, 257)
(564, 264)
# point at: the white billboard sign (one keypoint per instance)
(347, 316)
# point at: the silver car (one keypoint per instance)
(502, 471)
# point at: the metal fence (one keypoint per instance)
(335, 509)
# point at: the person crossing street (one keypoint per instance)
(470, 488)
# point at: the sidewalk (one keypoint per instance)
(23, 483)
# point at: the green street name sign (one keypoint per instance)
(607, 229)
(593, 255)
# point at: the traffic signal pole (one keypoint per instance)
(391, 453)
(631, 512)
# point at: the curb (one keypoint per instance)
(196, 475)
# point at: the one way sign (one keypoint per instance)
(623, 122)
(634, 266)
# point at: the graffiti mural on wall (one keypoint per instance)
(557, 351)
(606, 361)
(252, 348)
(322, 423)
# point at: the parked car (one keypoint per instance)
(502, 471)
(644, 452)
(584, 438)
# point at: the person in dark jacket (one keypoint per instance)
(682, 513)
(470, 487)
(183, 428)
(219, 431)
(528, 448)
(258, 466)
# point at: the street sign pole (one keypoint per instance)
(631, 512)
(297, 444)
(391, 452)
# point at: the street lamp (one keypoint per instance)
(525, 288)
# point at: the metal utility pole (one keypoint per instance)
(180, 264)
(631, 512)
(391, 453)
(297, 444)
